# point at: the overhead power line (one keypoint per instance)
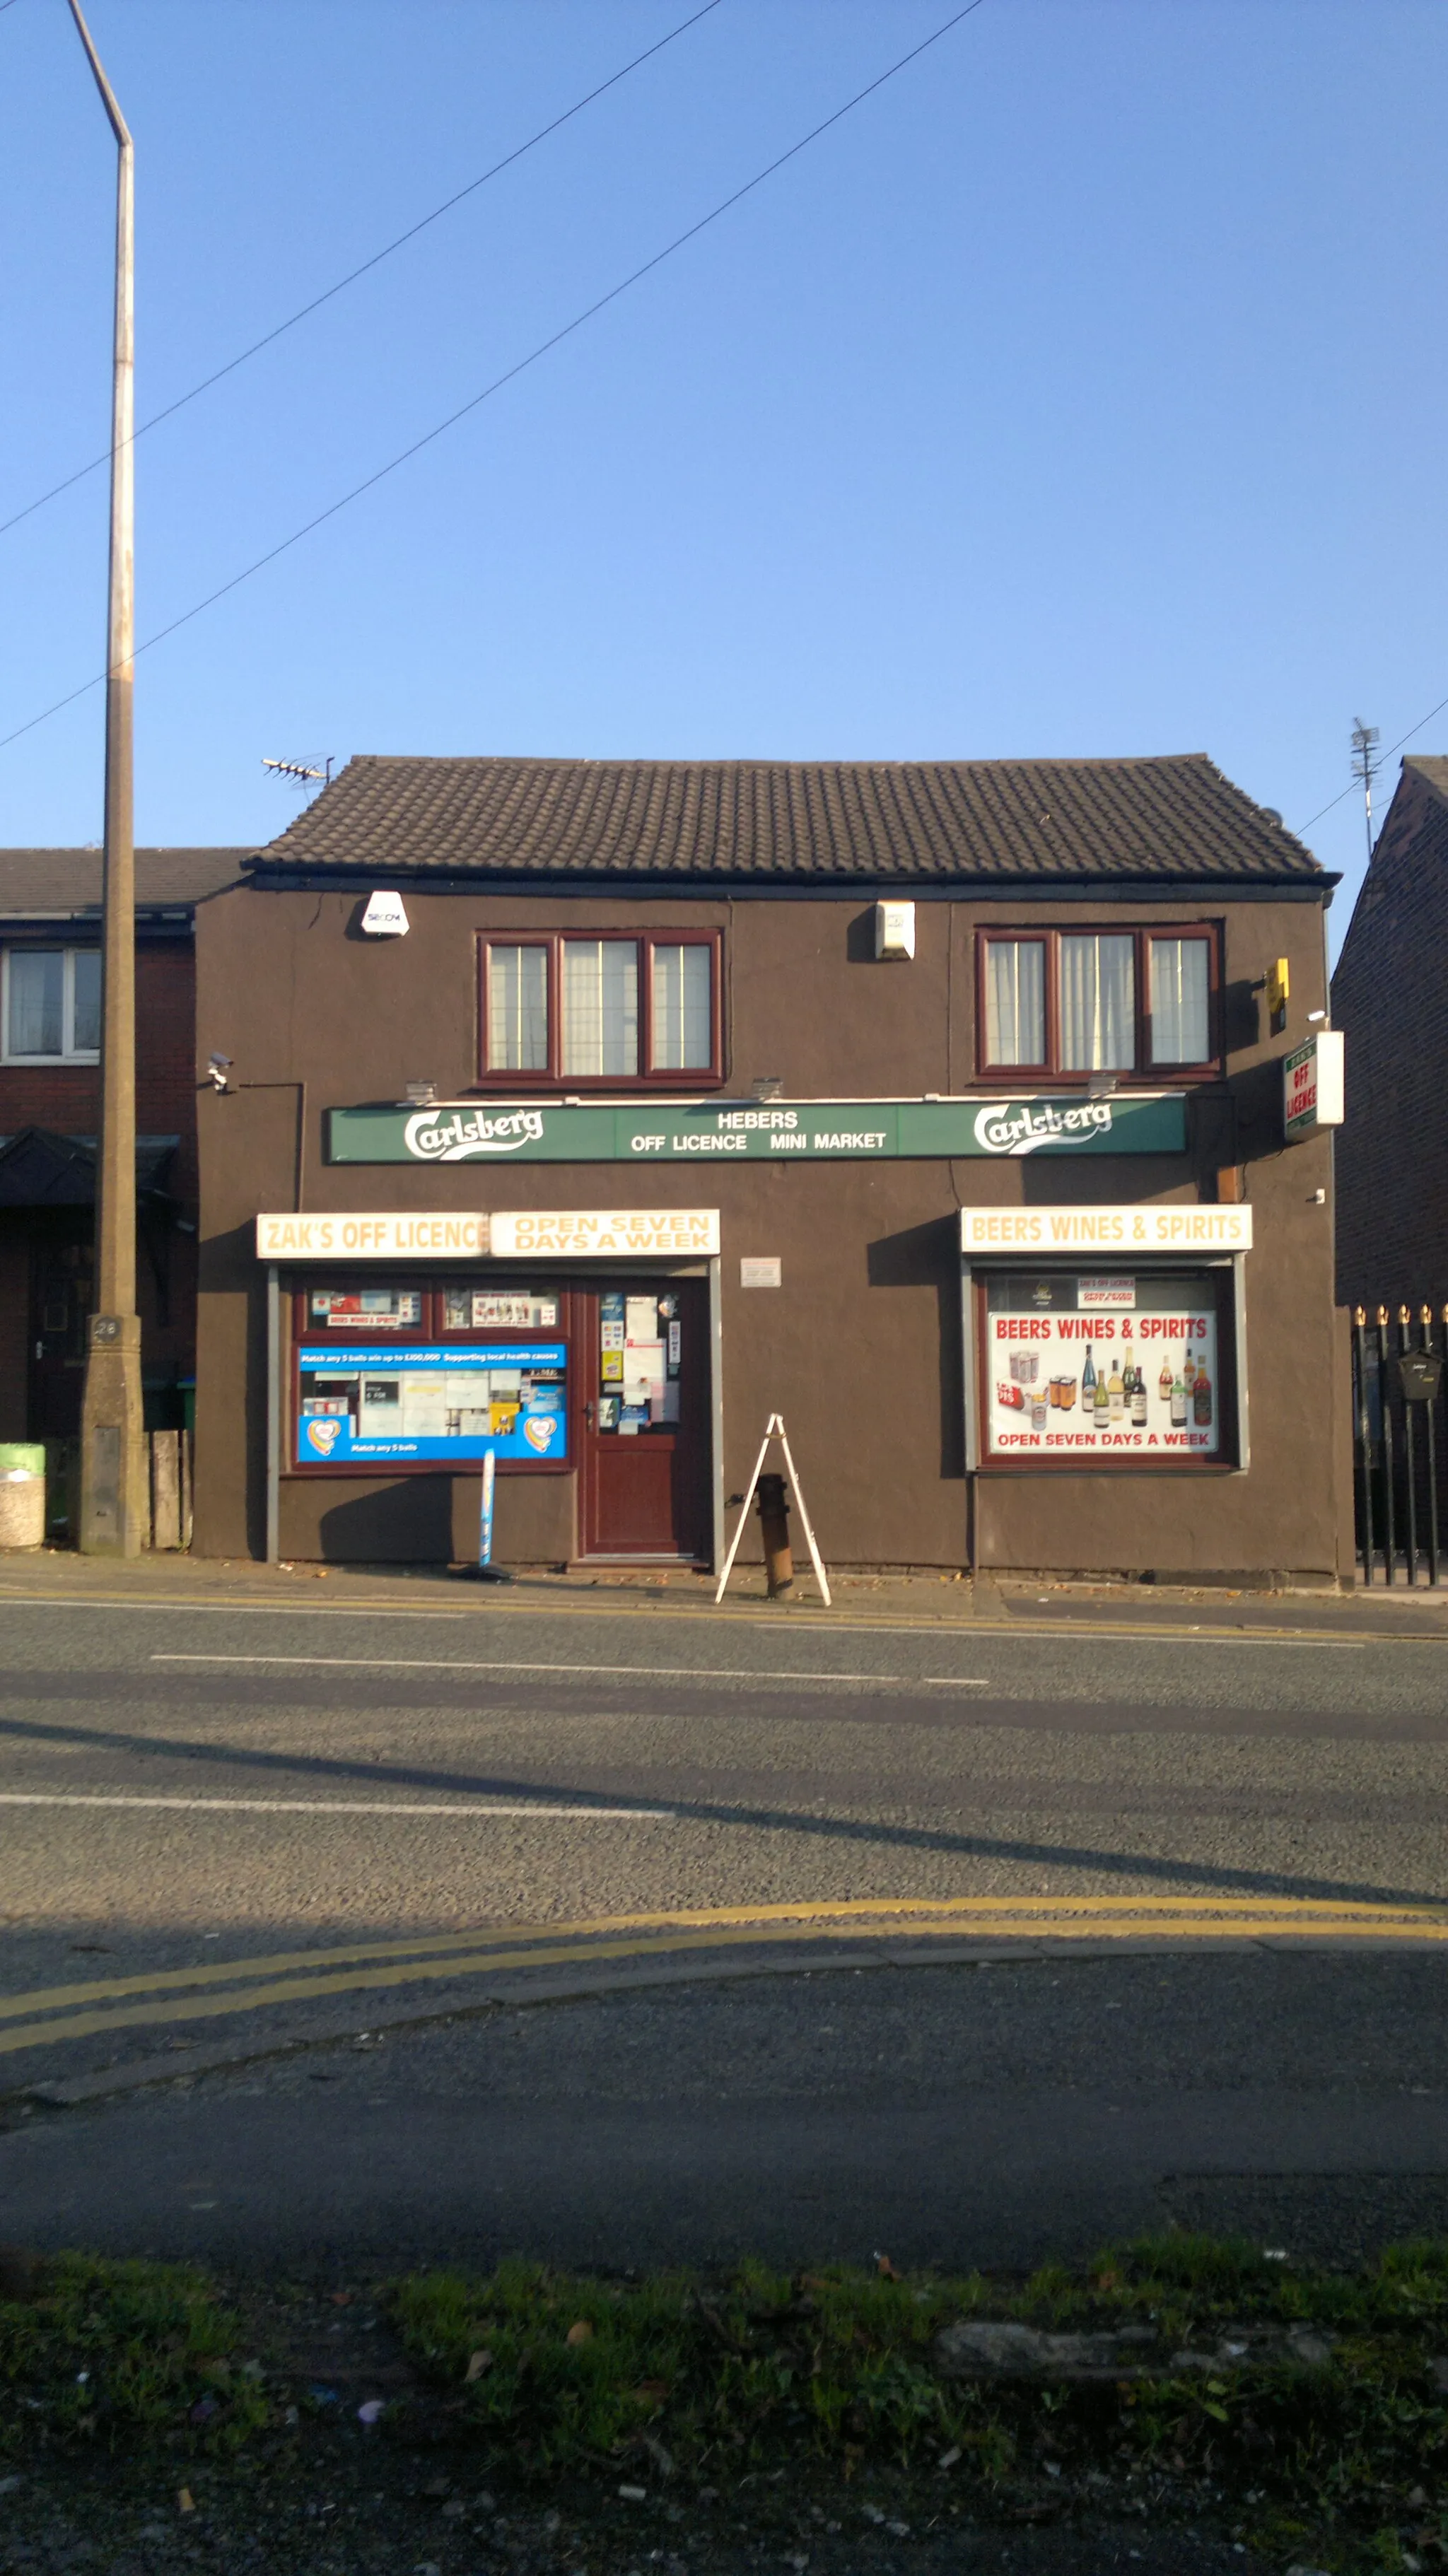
(599, 305)
(1355, 782)
(366, 266)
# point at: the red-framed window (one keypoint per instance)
(1061, 1005)
(1128, 1368)
(600, 1011)
(349, 1365)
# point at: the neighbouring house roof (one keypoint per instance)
(1433, 767)
(39, 1168)
(791, 822)
(36, 884)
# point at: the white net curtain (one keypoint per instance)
(518, 1010)
(600, 1006)
(1015, 1001)
(682, 999)
(1180, 995)
(1098, 1004)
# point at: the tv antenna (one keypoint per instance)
(1365, 766)
(303, 774)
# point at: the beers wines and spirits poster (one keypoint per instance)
(1093, 1362)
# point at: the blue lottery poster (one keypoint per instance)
(449, 1404)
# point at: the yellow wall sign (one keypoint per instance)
(374, 1235)
(605, 1234)
(1032, 1232)
(590, 1234)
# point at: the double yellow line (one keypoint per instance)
(300, 1976)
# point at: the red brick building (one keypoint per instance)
(50, 923)
(1390, 998)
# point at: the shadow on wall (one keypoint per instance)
(409, 1523)
(928, 1256)
(227, 1268)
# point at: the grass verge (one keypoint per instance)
(1302, 2408)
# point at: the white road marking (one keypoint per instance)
(325, 1806)
(632, 1672)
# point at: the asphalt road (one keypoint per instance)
(1196, 1866)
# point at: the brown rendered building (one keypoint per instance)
(591, 1111)
(50, 926)
(1390, 997)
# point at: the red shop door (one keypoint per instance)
(643, 1439)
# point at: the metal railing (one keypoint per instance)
(1400, 1442)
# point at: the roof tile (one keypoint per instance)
(791, 821)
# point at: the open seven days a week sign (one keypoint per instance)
(721, 1132)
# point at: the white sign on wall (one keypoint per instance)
(1312, 1086)
(605, 1234)
(430, 1235)
(1037, 1231)
(374, 1235)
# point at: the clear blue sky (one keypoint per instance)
(1082, 392)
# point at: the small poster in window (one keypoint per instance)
(521, 1312)
(1099, 1293)
(610, 1368)
(367, 1310)
(642, 1319)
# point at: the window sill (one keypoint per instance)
(1167, 1077)
(566, 1087)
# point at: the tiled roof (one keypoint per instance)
(898, 822)
(36, 882)
(1433, 767)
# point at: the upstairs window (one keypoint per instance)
(1065, 1004)
(52, 1005)
(604, 1012)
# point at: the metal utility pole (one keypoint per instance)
(1365, 767)
(112, 1493)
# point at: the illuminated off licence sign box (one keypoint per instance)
(1036, 1231)
(603, 1234)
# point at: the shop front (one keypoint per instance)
(573, 1347)
(586, 1115)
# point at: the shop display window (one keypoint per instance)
(1060, 1005)
(395, 1375)
(1095, 1368)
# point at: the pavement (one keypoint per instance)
(364, 1917)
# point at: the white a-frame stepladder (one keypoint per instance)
(774, 1430)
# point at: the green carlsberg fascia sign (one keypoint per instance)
(724, 1131)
